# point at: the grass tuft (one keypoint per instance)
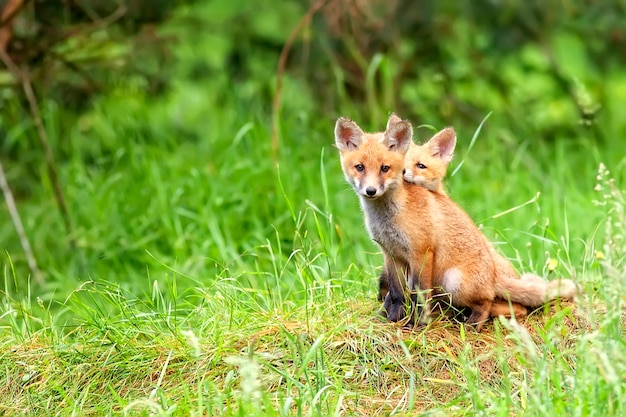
(221, 284)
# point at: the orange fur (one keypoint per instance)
(427, 240)
(426, 165)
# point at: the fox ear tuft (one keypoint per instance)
(399, 136)
(393, 119)
(442, 144)
(348, 135)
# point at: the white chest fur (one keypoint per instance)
(381, 222)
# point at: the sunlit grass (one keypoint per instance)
(208, 280)
(281, 318)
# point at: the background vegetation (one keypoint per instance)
(211, 259)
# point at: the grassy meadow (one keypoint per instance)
(212, 276)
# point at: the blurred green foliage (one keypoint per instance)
(160, 119)
(550, 70)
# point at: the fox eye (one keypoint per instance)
(421, 166)
(359, 167)
(385, 168)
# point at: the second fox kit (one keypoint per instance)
(428, 241)
(426, 165)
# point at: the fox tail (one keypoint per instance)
(533, 291)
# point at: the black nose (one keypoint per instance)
(370, 191)
(403, 171)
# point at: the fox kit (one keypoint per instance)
(427, 168)
(427, 240)
(426, 165)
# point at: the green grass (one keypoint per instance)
(208, 280)
(218, 285)
(229, 351)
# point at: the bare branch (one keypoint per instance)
(97, 24)
(23, 77)
(19, 228)
(6, 27)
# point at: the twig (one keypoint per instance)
(282, 62)
(6, 23)
(22, 75)
(19, 228)
(44, 46)
(11, 10)
(97, 24)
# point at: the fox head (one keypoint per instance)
(426, 164)
(373, 162)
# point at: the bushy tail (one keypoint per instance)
(532, 290)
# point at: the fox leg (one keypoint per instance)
(506, 309)
(480, 313)
(393, 306)
(421, 274)
(383, 285)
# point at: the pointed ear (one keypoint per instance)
(348, 135)
(393, 119)
(399, 136)
(442, 144)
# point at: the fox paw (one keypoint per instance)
(394, 309)
(477, 320)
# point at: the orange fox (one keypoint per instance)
(427, 240)
(426, 165)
